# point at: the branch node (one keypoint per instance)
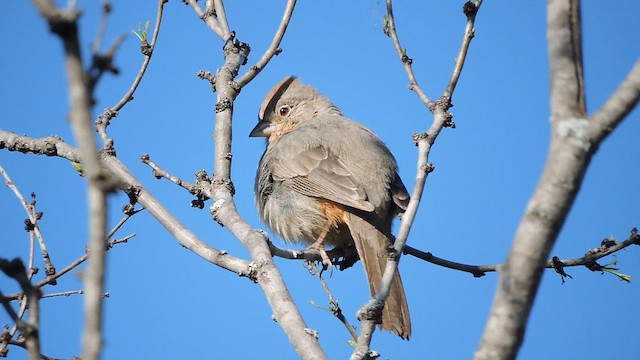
(312, 332)
(132, 192)
(448, 121)
(372, 311)
(215, 207)
(417, 137)
(223, 105)
(428, 168)
(211, 78)
(469, 9)
(202, 175)
(252, 272)
(634, 236)
(227, 183)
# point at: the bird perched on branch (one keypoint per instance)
(325, 180)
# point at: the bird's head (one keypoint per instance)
(288, 104)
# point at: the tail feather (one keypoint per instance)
(372, 249)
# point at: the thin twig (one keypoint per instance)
(6, 303)
(15, 269)
(64, 293)
(333, 303)
(424, 142)
(115, 242)
(122, 221)
(32, 225)
(476, 270)
(158, 173)
(16, 317)
(102, 28)
(145, 63)
(480, 270)
(470, 9)
(32, 251)
(274, 47)
(147, 50)
(50, 279)
(390, 30)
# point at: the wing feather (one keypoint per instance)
(317, 173)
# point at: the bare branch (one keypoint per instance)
(49, 146)
(98, 185)
(565, 54)
(147, 50)
(621, 102)
(368, 324)
(224, 211)
(15, 269)
(475, 270)
(570, 153)
(52, 278)
(54, 146)
(158, 173)
(607, 248)
(334, 306)
(390, 30)
(425, 141)
(102, 28)
(31, 225)
(80, 117)
(470, 9)
(209, 17)
(221, 15)
(185, 237)
(63, 293)
(274, 48)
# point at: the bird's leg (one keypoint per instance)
(318, 246)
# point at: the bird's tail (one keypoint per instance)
(372, 249)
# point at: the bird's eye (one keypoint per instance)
(284, 110)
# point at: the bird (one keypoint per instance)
(326, 180)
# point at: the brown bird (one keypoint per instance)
(328, 180)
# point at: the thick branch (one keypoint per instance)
(54, 146)
(224, 211)
(565, 60)
(569, 156)
(80, 117)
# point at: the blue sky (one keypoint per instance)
(167, 303)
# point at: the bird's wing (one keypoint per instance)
(316, 172)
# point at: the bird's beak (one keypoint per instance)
(263, 129)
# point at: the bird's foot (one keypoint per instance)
(319, 250)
